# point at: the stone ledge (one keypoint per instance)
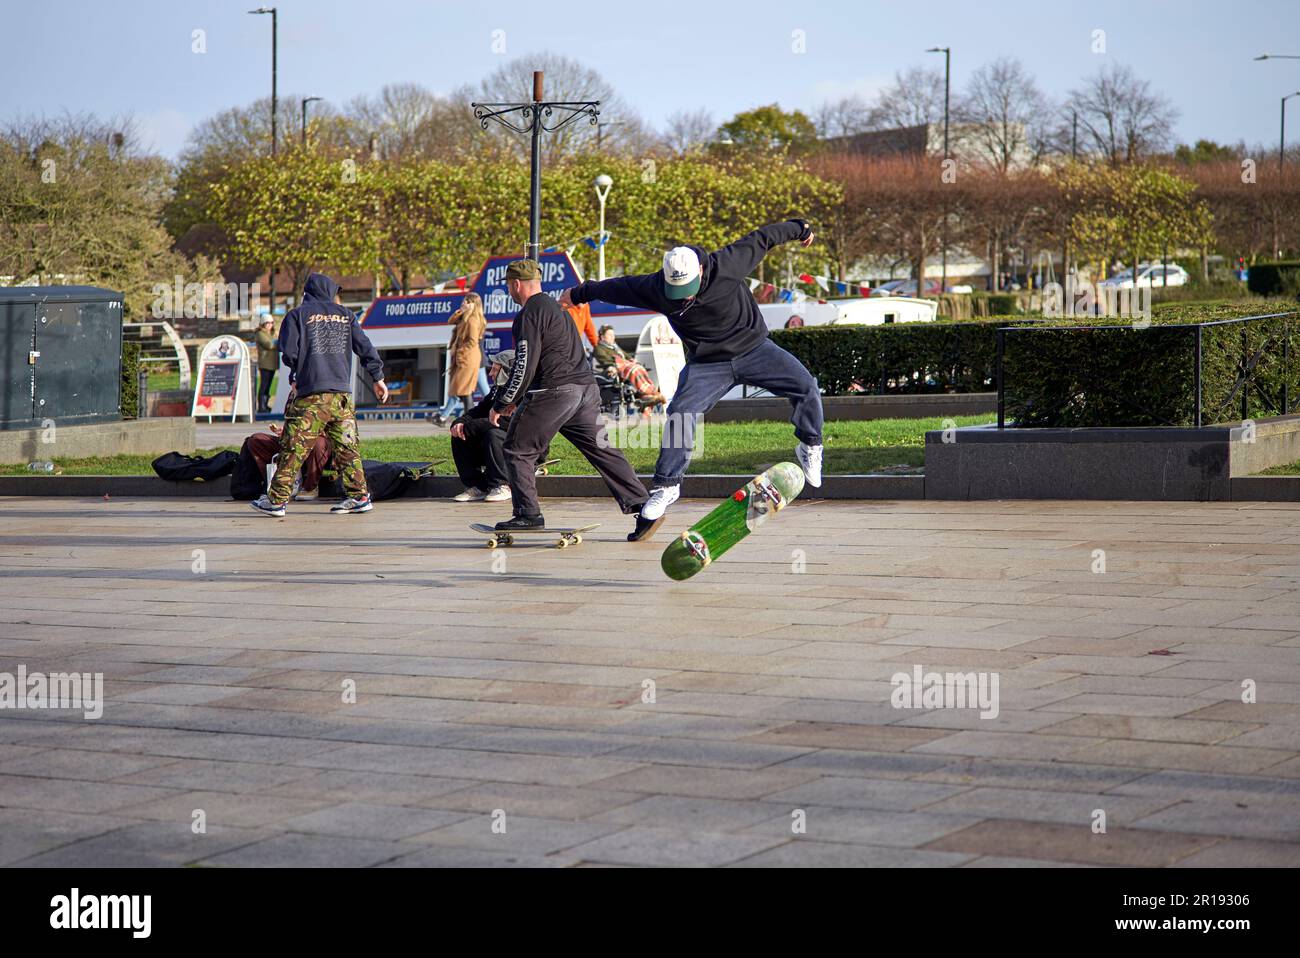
(144, 437)
(444, 487)
(1265, 488)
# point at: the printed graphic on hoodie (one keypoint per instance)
(330, 333)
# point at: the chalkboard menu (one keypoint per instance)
(219, 379)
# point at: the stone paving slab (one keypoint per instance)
(381, 690)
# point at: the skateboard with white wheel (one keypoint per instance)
(544, 468)
(744, 511)
(568, 536)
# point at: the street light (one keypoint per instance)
(274, 108)
(274, 29)
(1281, 146)
(600, 131)
(603, 183)
(947, 75)
(305, 101)
(1278, 56)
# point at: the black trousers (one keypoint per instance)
(264, 386)
(574, 412)
(480, 457)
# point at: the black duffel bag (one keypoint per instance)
(178, 467)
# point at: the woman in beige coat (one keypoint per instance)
(465, 353)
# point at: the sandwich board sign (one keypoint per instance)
(224, 385)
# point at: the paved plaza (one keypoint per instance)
(383, 690)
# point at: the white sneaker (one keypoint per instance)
(268, 508)
(306, 495)
(661, 497)
(353, 505)
(472, 494)
(499, 494)
(810, 458)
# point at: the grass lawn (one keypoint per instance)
(1289, 469)
(743, 447)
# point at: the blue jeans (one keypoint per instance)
(701, 385)
(453, 403)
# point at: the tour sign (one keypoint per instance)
(558, 274)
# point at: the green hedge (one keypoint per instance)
(1274, 279)
(130, 380)
(1112, 374)
(898, 357)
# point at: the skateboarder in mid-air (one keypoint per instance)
(552, 386)
(707, 300)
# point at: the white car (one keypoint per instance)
(1149, 274)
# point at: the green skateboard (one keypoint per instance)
(747, 509)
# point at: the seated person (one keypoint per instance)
(478, 446)
(263, 446)
(609, 356)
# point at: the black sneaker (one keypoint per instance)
(645, 528)
(521, 522)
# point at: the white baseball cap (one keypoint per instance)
(681, 273)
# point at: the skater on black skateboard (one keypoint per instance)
(552, 386)
(707, 300)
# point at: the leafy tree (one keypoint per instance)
(1205, 151)
(82, 205)
(299, 210)
(768, 128)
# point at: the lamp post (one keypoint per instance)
(274, 109)
(1281, 144)
(947, 77)
(534, 115)
(305, 101)
(274, 44)
(603, 184)
(600, 132)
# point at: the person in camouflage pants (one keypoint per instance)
(304, 421)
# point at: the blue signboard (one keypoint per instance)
(431, 309)
(497, 339)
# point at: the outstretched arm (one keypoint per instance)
(635, 291)
(743, 256)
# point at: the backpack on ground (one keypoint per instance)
(385, 480)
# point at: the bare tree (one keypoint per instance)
(1121, 115)
(688, 130)
(914, 99)
(409, 121)
(846, 116)
(1004, 116)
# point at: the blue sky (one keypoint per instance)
(114, 57)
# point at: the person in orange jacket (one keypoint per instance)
(582, 316)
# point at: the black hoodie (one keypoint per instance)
(318, 338)
(722, 321)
